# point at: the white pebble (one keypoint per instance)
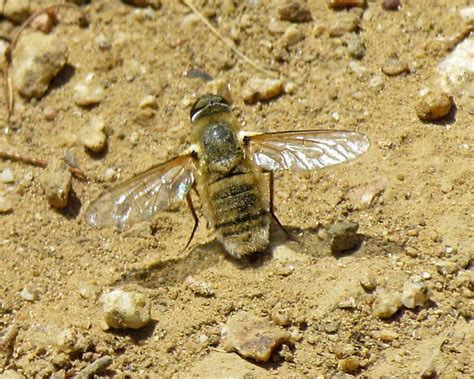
(415, 294)
(386, 305)
(6, 176)
(93, 135)
(6, 205)
(88, 92)
(257, 89)
(124, 310)
(28, 295)
(149, 101)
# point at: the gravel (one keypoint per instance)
(433, 105)
(88, 92)
(56, 181)
(93, 135)
(294, 12)
(257, 89)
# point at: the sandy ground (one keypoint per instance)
(418, 175)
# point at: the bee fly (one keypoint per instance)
(227, 169)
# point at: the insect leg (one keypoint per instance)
(272, 212)
(195, 216)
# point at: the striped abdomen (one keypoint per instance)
(240, 218)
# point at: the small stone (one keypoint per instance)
(433, 105)
(292, 36)
(284, 253)
(369, 194)
(43, 23)
(349, 365)
(155, 4)
(49, 113)
(219, 87)
(6, 205)
(37, 59)
(89, 291)
(337, 4)
(124, 310)
(447, 267)
(28, 294)
(257, 89)
(88, 92)
(385, 335)
(149, 101)
(368, 281)
(93, 135)
(252, 337)
(199, 287)
(281, 315)
(344, 236)
(386, 305)
(290, 88)
(415, 294)
(17, 11)
(348, 303)
(10, 374)
(294, 12)
(356, 46)
(332, 327)
(391, 5)
(57, 182)
(190, 21)
(110, 174)
(6, 176)
(394, 66)
(343, 23)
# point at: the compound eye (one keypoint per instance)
(207, 105)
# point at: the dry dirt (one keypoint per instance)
(420, 225)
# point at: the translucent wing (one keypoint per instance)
(305, 150)
(140, 197)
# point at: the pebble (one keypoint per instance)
(294, 12)
(386, 305)
(6, 176)
(356, 46)
(95, 367)
(368, 281)
(391, 5)
(292, 36)
(343, 236)
(49, 113)
(415, 294)
(10, 374)
(38, 58)
(337, 4)
(6, 205)
(199, 287)
(93, 135)
(281, 315)
(385, 335)
(393, 66)
(43, 23)
(433, 105)
(110, 174)
(88, 92)
(56, 181)
(349, 365)
(257, 89)
(89, 291)
(447, 267)
(16, 11)
(124, 310)
(219, 87)
(252, 336)
(343, 23)
(29, 295)
(149, 101)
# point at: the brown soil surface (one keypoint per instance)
(420, 223)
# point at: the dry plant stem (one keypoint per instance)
(227, 42)
(75, 171)
(9, 51)
(95, 367)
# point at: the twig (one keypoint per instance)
(227, 42)
(95, 367)
(15, 157)
(9, 51)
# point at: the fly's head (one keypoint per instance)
(208, 105)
